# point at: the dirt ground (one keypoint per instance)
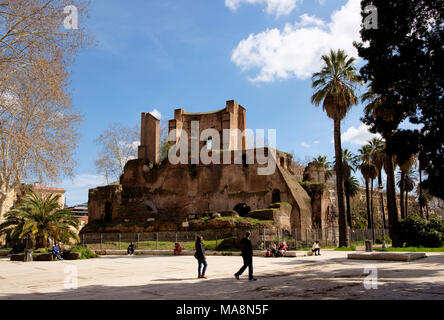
(329, 276)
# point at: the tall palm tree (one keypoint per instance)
(378, 157)
(377, 106)
(334, 87)
(368, 171)
(42, 218)
(352, 188)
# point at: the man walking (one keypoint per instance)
(247, 256)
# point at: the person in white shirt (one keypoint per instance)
(316, 248)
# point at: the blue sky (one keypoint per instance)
(196, 55)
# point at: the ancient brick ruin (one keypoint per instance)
(163, 192)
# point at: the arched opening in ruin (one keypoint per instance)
(108, 211)
(282, 160)
(276, 196)
(242, 209)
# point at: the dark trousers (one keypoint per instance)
(248, 262)
(316, 250)
(130, 251)
(199, 266)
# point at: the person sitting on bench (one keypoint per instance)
(130, 249)
(56, 252)
(316, 248)
(177, 248)
(282, 249)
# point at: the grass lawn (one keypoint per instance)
(151, 245)
(351, 248)
(412, 249)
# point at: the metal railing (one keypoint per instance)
(227, 239)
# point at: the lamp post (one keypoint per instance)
(381, 199)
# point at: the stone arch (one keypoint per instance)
(276, 196)
(242, 209)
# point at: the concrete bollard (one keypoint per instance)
(368, 246)
(28, 256)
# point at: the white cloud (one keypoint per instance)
(316, 142)
(295, 51)
(305, 145)
(156, 113)
(277, 7)
(358, 136)
(77, 188)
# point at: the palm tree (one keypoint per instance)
(377, 106)
(322, 164)
(378, 157)
(349, 164)
(42, 218)
(404, 167)
(352, 187)
(409, 184)
(368, 171)
(334, 87)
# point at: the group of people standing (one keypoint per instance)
(247, 256)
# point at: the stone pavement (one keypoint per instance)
(329, 276)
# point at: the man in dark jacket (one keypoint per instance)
(247, 256)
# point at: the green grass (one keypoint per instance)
(412, 249)
(151, 245)
(351, 248)
(85, 253)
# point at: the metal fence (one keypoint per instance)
(221, 239)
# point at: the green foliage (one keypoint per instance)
(40, 217)
(85, 253)
(417, 231)
(351, 248)
(379, 239)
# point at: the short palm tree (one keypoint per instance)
(352, 187)
(378, 158)
(349, 164)
(368, 171)
(334, 87)
(41, 217)
(322, 163)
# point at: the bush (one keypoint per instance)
(85, 253)
(417, 231)
(379, 239)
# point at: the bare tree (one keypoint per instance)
(117, 144)
(38, 125)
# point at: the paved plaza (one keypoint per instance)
(329, 276)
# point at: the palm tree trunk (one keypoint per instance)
(406, 203)
(343, 234)
(391, 203)
(371, 210)
(381, 197)
(367, 200)
(401, 194)
(420, 188)
(347, 202)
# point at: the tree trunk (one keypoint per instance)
(347, 202)
(420, 189)
(401, 194)
(391, 203)
(367, 200)
(406, 203)
(343, 234)
(371, 211)
(381, 196)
